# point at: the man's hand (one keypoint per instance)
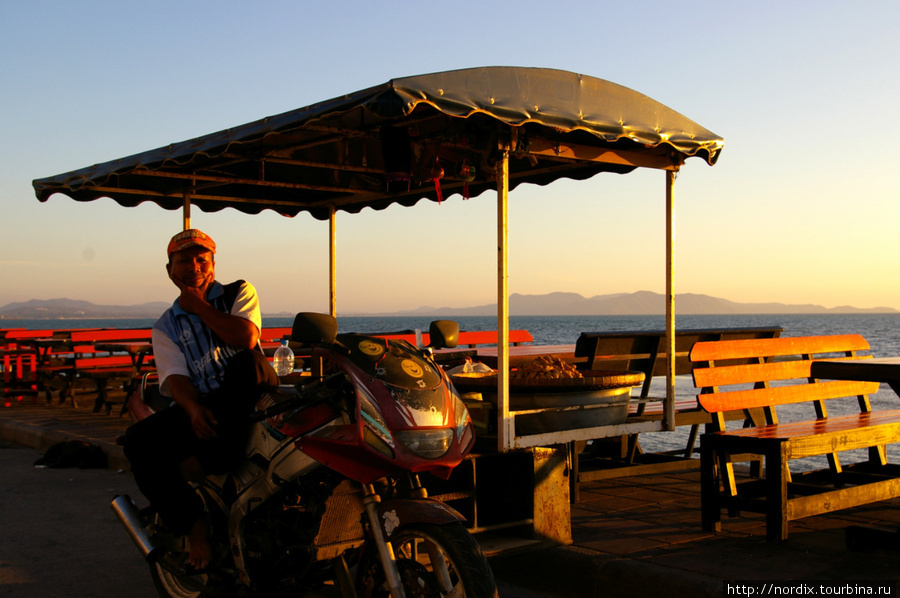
(203, 422)
(193, 293)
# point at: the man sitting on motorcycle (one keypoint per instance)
(204, 347)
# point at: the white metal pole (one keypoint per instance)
(332, 263)
(669, 411)
(186, 212)
(505, 425)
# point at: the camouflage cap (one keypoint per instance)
(190, 238)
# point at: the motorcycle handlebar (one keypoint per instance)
(258, 416)
(306, 396)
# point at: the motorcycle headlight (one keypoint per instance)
(428, 444)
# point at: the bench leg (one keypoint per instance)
(633, 448)
(44, 387)
(710, 510)
(777, 476)
(101, 396)
(691, 442)
(878, 456)
(67, 390)
(574, 469)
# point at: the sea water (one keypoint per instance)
(881, 330)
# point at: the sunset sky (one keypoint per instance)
(802, 207)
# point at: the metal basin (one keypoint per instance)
(600, 398)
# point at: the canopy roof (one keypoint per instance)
(386, 144)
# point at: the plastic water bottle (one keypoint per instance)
(284, 359)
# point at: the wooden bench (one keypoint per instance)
(772, 373)
(108, 372)
(476, 338)
(645, 351)
(92, 361)
(18, 379)
(467, 338)
(25, 356)
(272, 335)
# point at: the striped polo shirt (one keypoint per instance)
(184, 345)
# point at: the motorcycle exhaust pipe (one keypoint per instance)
(130, 518)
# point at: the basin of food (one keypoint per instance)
(596, 398)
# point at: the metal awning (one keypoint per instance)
(423, 137)
(383, 145)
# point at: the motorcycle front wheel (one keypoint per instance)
(435, 561)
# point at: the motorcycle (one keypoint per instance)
(328, 497)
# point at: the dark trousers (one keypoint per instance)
(158, 445)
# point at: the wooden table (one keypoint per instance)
(137, 351)
(886, 370)
(44, 346)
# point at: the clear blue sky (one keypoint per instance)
(803, 206)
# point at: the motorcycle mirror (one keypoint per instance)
(443, 333)
(314, 329)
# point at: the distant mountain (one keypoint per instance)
(73, 308)
(630, 304)
(550, 304)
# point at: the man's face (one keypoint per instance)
(193, 267)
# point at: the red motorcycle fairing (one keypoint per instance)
(303, 420)
(396, 396)
(405, 511)
(343, 449)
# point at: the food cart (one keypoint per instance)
(462, 132)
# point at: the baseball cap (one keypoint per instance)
(190, 238)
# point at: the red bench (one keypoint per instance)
(24, 354)
(104, 358)
(274, 335)
(470, 339)
(270, 339)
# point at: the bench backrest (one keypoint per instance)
(29, 333)
(268, 335)
(466, 338)
(738, 374)
(110, 335)
(471, 338)
(104, 360)
(474, 338)
(645, 350)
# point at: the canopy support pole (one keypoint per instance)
(505, 425)
(669, 410)
(332, 262)
(186, 212)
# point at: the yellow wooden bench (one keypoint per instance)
(772, 373)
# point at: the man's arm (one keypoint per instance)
(234, 330)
